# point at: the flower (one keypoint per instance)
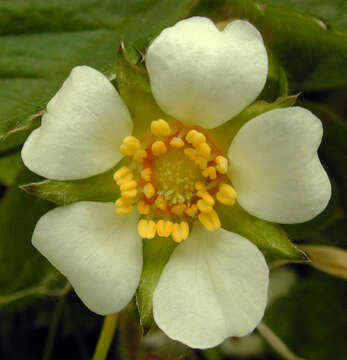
(214, 284)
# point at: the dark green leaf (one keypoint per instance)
(270, 238)
(10, 166)
(156, 253)
(225, 133)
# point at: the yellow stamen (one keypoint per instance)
(122, 201)
(222, 164)
(204, 150)
(123, 210)
(178, 209)
(121, 173)
(164, 228)
(191, 153)
(146, 228)
(160, 128)
(210, 172)
(195, 137)
(180, 231)
(201, 162)
(132, 184)
(199, 185)
(129, 194)
(148, 190)
(158, 148)
(139, 156)
(130, 145)
(146, 174)
(210, 220)
(161, 203)
(226, 194)
(176, 142)
(143, 208)
(192, 210)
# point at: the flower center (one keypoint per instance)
(176, 175)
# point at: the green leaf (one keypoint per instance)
(156, 253)
(225, 133)
(10, 166)
(41, 41)
(133, 85)
(23, 270)
(100, 187)
(270, 238)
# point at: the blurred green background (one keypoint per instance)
(40, 41)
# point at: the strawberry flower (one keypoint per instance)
(215, 283)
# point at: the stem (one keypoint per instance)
(106, 337)
(58, 311)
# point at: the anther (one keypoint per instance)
(160, 203)
(158, 148)
(204, 150)
(143, 208)
(130, 145)
(121, 173)
(222, 164)
(146, 228)
(129, 194)
(132, 184)
(178, 209)
(139, 156)
(192, 210)
(160, 128)
(176, 142)
(146, 174)
(164, 228)
(195, 137)
(210, 172)
(191, 153)
(148, 190)
(124, 210)
(226, 194)
(210, 220)
(201, 162)
(180, 231)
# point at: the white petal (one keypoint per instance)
(82, 131)
(98, 251)
(214, 286)
(204, 76)
(275, 168)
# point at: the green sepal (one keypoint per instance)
(225, 133)
(100, 187)
(133, 84)
(270, 238)
(156, 253)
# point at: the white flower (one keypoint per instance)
(214, 286)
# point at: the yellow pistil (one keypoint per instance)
(176, 142)
(143, 208)
(210, 172)
(210, 220)
(146, 228)
(180, 231)
(226, 194)
(165, 228)
(130, 145)
(149, 190)
(160, 128)
(158, 148)
(222, 164)
(146, 174)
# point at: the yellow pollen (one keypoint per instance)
(204, 206)
(222, 164)
(210, 220)
(132, 184)
(210, 172)
(191, 153)
(204, 150)
(143, 208)
(192, 210)
(130, 194)
(178, 209)
(201, 162)
(149, 190)
(146, 174)
(165, 228)
(124, 210)
(180, 231)
(160, 128)
(140, 155)
(146, 228)
(195, 137)
(226, 194)
(160, 203)
(130, 145)
(177, 142)
(121, 173)
(199, 185)
(158, 148)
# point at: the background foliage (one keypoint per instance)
(40, 41)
